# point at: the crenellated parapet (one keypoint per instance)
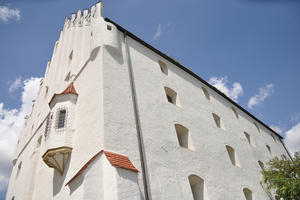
(102, 33)
(86, 17)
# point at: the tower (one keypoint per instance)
(116, 118)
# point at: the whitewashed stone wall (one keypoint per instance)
(94, 57)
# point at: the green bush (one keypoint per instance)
(283, 176)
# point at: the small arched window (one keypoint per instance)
(163, 67)
(172, 96)
(249, 139)
(197, 187)
(32, 128)
(184, 137)
(278, 197)
(46, 90)
(273, 137)
(248, 194)
(39, 142)
(218, 121)
(261, 164)
(68, 76)
(206, 93)
(257, 127)
(19, 169)
(235, 112)
(71, 56)
(48, 125)
(56, 45)
(269, 149)
(233, 156)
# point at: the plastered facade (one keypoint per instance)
(91, 53)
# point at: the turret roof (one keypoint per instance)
(69, 90)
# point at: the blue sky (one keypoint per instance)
(249, 49)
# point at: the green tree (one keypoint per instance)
(283, 176)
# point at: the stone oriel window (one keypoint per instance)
(163, 67)
(184, 137)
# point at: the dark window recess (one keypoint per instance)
(170, 99)
(48, 125)
(61, 119)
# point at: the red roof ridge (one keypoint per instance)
(69, 90)
(116, 160)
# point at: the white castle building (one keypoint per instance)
(117, 119)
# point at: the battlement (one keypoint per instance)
(85, 17)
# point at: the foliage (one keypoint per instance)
(283, 176)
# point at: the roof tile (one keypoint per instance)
(116, 160)
(69, 90)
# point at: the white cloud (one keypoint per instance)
(158, 33)
(15, 85)
(292, 139)
(221, 84)
(259, 98)
(295, 117)
(11, 123)
(6, 13)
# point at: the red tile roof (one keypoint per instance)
(69, 90)
(115, 160)
(118, 160)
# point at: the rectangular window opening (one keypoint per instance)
(61, 119)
